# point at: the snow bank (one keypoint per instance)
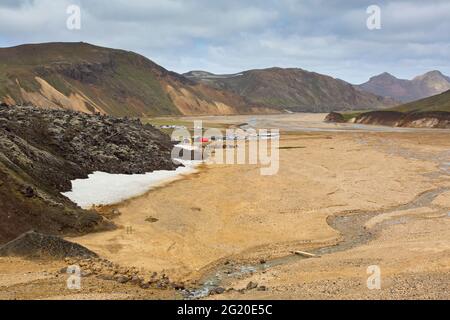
(102, 188)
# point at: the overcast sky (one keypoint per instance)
(228, 36)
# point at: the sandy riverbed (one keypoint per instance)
(227, 210)
(231, 212)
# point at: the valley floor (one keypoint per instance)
(230, 215)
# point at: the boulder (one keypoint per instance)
(122, 279)
(252, 285)
(218, 290)
(262, 288)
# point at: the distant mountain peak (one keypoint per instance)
(384, 75)
(434, 74)
(423, 86)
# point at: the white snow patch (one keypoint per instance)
(101, 188)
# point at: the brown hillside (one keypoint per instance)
(87, 78)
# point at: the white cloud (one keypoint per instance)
(327, 36)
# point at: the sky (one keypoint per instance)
(229, 36)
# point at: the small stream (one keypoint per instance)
(351, 226)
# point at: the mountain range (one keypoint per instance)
(293, 89)
(92, 79)
(423, 86)
(87, 78)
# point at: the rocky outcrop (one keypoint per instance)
(384, 118)
(435, 119)
(431, 119)
(335, 117)
(56, 146)
(36, 245)
(41, 151)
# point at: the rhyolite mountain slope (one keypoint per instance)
(42, 150)
(293, 89)
(426, 85)
(431, 112)
(440, 102)
(88, 78)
